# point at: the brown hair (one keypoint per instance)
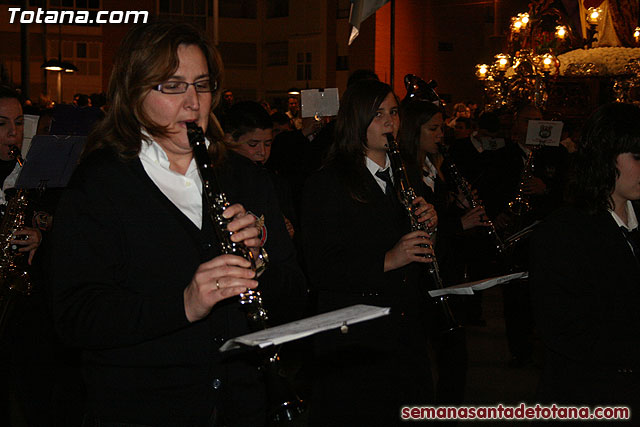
(148, 56)
(7, 91)
(358, 108)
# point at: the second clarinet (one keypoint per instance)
(407, 195)
(463, 187)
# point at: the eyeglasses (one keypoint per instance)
(172, 87)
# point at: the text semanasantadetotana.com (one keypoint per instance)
(521, 412)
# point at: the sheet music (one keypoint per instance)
(306, 327)
(479, 285)
(30, 129)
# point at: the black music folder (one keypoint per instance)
(50, 161)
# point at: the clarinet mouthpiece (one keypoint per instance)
(194, 133)
(390, 141)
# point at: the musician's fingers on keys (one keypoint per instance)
(222, 277)
(417, 244)
(479, 212)
(223, 267)
(28, 238)
(473, 218)
(425, 212)
(414, 246)
(243, 226)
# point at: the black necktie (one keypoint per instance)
(385, 175)
(633, 237)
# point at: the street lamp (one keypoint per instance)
(59, 65)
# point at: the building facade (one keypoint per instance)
(270, 46)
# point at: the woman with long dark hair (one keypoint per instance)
(421, 143)
(585, 270)
(359, 249)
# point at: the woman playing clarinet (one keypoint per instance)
(139, 281)
(359, 249)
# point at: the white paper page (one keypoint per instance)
(315, 103)
(479, 285)
(306, 327)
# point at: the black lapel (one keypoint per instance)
(387, 211)
(190, 228)
(616, 246)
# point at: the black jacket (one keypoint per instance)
(585, 283)
(363, 377)
(122, 257)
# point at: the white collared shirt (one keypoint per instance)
(373, 168)
(477, 144)
(526, 151)
(184, 191)
(632, 219)
(431, 173)
(10, 182)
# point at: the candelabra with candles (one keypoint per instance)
(593, 18)
(523, 73)
(529, 66)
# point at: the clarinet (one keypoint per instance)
(407, 195)
(463, 186)
(284, 405)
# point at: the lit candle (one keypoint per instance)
(524, 19)
(547, 62)
(636, 34)
(516, 25)
(502, 62)
(481, 71)
(561, 32)
(593, 15)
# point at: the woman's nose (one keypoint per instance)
(191, 98)
(13, 129)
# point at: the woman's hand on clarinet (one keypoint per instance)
(30, 241)
(223, 277)
(243, 226)
(425, 212)
(412, 247)
(535, 185)
(475, 217)
(461, 198)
